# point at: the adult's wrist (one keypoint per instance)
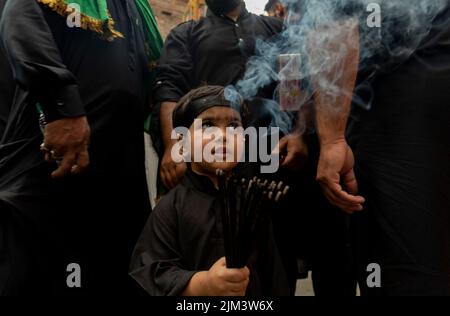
(331, 140)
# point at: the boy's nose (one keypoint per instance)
(224, 133)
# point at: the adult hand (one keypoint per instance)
(295, 152)
(171, 172)
(66, 141)
(336, 164)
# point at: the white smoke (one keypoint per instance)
(311, 31)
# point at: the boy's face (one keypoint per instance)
(220, 137)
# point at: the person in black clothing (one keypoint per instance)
(93, 94)
(214, 51)
(389, 165)
(6, 84)
(181, 250)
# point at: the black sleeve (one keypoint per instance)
(6, 90)
(157, 263)
(275, 25)
(36, 61)
(174, 70)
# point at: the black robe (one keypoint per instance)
(93, 219)
(184, 235)
(402, 152)
(6, 84)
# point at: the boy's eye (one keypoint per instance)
(234, 125)
(207, 125)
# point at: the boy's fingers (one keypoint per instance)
(236, 275)
(223, 261)
(246, 272)
(237, 288)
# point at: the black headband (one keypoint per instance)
(185, 115)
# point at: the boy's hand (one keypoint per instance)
(222, 281)
(218, 281)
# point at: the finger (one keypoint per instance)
(169, 184)
(162, 175)
(173, 177)
(180, 170)
(347, 207)
(222, 262)
(48, 157)
(165, 176)
(65, 166)
(350, 182)
(281, 146)
(345, 196)
(75, 170)
(235, 275)
(288, 160)
(236, 288)
(82, 162)
(44, 148)
(343, 204)
(239, 289)
(246, 272)
(337, 190)
(336, 199)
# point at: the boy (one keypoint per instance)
(181, 250)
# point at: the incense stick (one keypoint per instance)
(246, 207)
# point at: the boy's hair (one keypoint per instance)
(199, 100)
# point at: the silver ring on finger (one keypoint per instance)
(74, 169)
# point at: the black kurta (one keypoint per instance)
(184, 235)
(94, 219)
(212, 50)
(402, 152)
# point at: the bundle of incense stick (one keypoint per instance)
(245, 207)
